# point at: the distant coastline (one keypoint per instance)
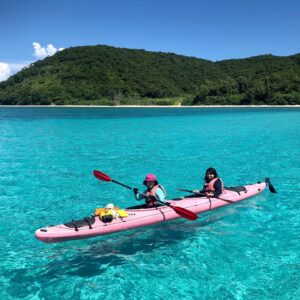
(152, 106)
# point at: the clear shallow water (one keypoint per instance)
(246, 251)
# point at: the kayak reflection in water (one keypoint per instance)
(213, 186)
(153, 193)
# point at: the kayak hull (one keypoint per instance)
(146, 216)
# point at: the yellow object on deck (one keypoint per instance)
(122, 213)
(103, 211)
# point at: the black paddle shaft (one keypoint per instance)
(117, 182)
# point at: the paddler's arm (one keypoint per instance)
(137, 195)
(160, 195)
(199, 191)
(218, 188)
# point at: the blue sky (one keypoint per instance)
(210, 29)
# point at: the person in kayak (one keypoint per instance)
(154, 191)
(213, 186)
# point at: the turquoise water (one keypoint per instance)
(245, 251)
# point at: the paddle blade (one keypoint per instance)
(101, 176)
(271, 188)
(185, 213)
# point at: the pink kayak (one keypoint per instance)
(138, 217)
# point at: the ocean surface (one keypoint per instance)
(250, 250)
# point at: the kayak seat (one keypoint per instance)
(188, 196)
(143, 206)
(237, 189)
(87, 221)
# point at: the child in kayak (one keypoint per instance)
(154, 191)
(213, 186)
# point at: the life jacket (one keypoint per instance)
(152, 192)
(107, 215)
(209, 187)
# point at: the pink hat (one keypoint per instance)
(150, 177)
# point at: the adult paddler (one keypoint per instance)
(213, 186)
(153, 192)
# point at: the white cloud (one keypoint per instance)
(39, 52)
(51, 50)
(42, 52)
(8, 69)
(5, 71)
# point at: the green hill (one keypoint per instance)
(113, 76)
(266, 79)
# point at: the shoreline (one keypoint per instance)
(152, 106)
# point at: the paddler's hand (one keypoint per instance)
(135, 191)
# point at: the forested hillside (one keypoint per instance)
(113, 76)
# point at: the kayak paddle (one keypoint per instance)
(185, 213)
(203, 194)
(105, 177)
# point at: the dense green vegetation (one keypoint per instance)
(104, 75)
